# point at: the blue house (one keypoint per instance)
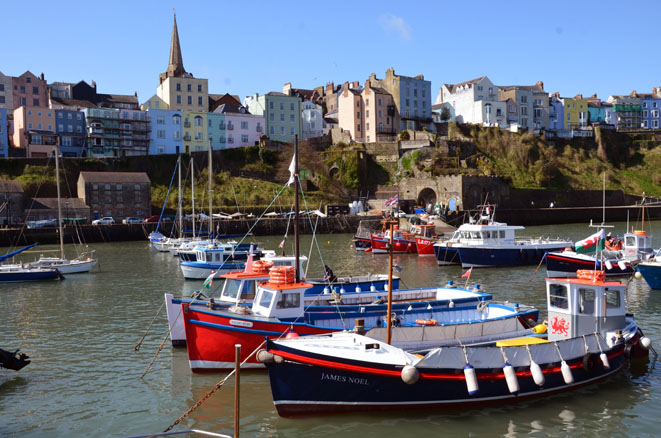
(650, 105)
(217, 130)
(70, 127)
(165, 136)
(556, 114)
(596, 113)
(4, 127)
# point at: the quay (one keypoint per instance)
(328, 225)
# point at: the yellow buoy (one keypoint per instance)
(539, 329)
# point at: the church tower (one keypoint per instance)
(178, 88)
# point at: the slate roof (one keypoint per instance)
(452, 87)
(51, 203)
(115, 177)
(10, 186)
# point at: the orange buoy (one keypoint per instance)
(426, 322)
(587, 274)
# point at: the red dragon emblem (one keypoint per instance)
(559, 326)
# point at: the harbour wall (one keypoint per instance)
(328, 225)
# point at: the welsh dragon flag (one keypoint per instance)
(594, 243)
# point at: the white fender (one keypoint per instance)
(471, 379)
(510, 377)
(608, 264)
(645, 342)
(622, 265)
(537, 374)
(604, 360)
(566, 373)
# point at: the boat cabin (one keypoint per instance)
(424, 230)
(584, 305)
(493, 233)
(280, 300)
(637, 245)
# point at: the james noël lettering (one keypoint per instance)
(344, 379)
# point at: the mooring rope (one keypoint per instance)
(137, 346)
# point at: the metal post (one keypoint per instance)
(192, 190)
(210, 193)
(181, 220)
(237, 381)
(59, 206)
(390, 245)
(298, 274)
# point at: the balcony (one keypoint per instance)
(187, 137)
(221, 126)
(187, 124)
(386, 131)
(258, 128)
(230, 126)
(230, 140)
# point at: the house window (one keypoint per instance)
(60, 127)
(190, 100)
(271, 117)
(160, 120)
(35, 102)
(176, 120)
(189, 87)
(178, 99)
(198, 136)
(292, 131)
(359, 127)
(199, 100)
(178, 86)
(199, 88)
(270, 105)
(244, 125)
(244, 138)
(282, 117)
(78, 116)
(198, 121)
(160, 133)
(524, 99)
(291, 118)
(282, 106)
(291, 106)
(106, 187)
(282, 130)
(272, 130)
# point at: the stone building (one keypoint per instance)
(116, 194)
(46, 208)
(11, 202)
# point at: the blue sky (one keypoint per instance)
(243, 47)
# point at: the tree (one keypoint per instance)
(445, 114)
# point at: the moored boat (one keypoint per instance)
(591, 337)
(650, 270)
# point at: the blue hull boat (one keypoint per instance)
(503, 256)
(651, 272)
(446, 255)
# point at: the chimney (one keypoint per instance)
(634, 94)
(579, 96)
(368, 88)
(330, 87)
(41, 76)
(94, 84)
(346, 89)
(540, 84)
(135, 93)
(656, 91)
(286, 89)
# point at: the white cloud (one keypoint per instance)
(392, 23)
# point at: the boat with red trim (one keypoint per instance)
(591, 337)
(281, 307)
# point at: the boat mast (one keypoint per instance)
(298, 255)
(192, 190)
(181, 221)
(210, 194)
(389, 319)
(59, 206)
(603, 200)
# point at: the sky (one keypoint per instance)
(246, 47)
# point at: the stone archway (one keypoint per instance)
(427, 196)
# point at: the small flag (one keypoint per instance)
(282, 244)
(292, 171)
(467, 274)
(593, 243)
(209, 281)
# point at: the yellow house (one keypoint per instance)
(576, 112)
(154, 102)
(195, 137)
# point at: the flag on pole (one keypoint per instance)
(594, 243)
(209, 281)
(282, 244)
(292, 171)
(392, 200)
(467, 274)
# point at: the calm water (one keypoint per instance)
(84, 379)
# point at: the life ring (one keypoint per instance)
(426, 322)
(590, 363)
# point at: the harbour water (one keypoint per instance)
(85, 377)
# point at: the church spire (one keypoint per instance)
(176, 64)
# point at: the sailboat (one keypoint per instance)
(81, 264)
(17, 272)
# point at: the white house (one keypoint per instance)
(474, 101)
(313, 120)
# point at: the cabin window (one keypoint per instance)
(475, 235)
(265, 299)
(248, 290)
(289, 300)
(217, 257)
(586, 301)
(231, 289)
(502, 234)
(209, 257)
(558, 296)
(612, 299)
(630, 241)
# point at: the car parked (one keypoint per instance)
(104, 221)
(132, 220)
